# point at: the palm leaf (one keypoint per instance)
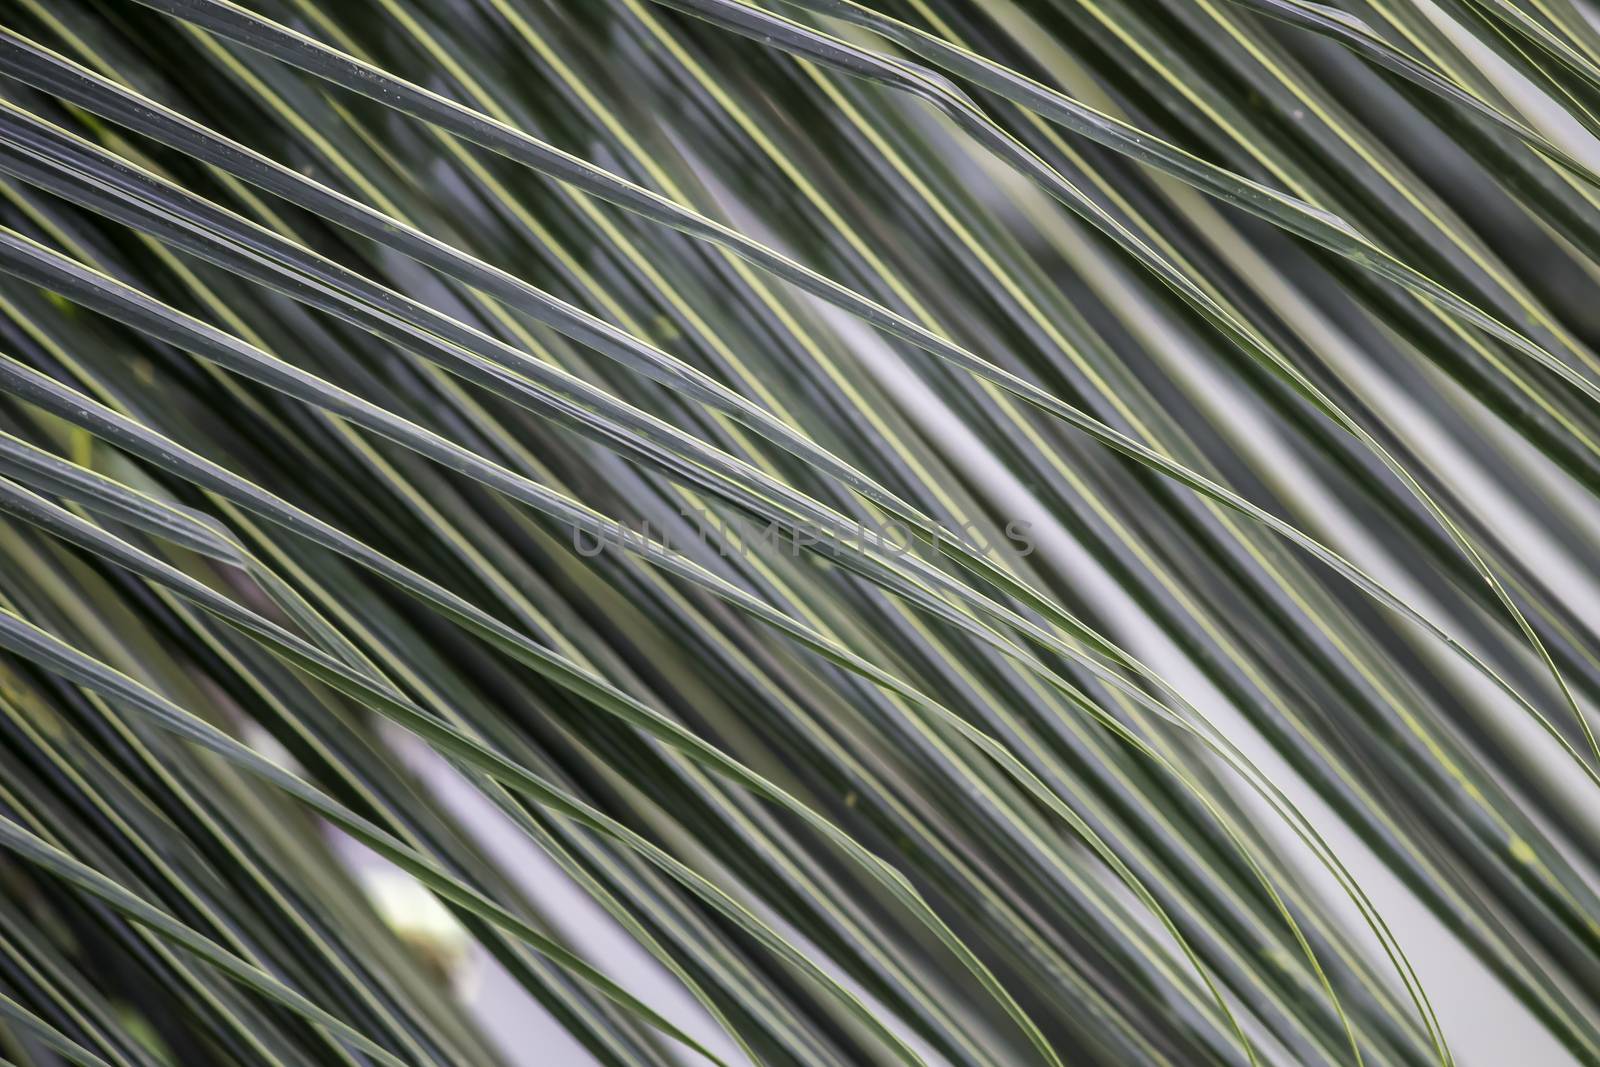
(819, 532)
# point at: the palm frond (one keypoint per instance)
(819, 532)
